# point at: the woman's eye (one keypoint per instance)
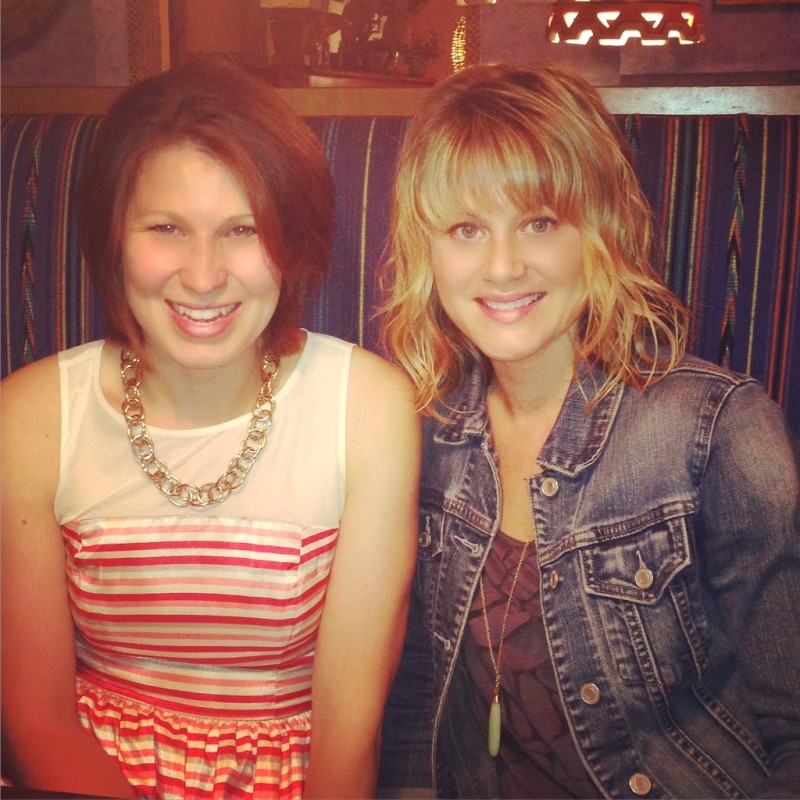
(165, 228)
(243, 231)
(466, 231)
(541, 225)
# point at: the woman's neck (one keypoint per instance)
(181, 398)
(533, 387)
(198, 398)
(523, 405)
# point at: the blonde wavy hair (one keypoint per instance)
(536, 137)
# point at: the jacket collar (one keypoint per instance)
(577, 438)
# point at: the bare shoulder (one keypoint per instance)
(32, 392)
(31, 433)
(373, 380)
(380, 415)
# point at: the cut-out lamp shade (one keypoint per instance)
(615, 22)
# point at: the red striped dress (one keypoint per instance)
(195, 628)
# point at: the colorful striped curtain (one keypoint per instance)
(725, 192)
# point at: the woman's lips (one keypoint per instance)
(512, 305)
(203, 322)
(509, 310)
(202, 314)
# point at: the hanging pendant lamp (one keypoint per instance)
(615, 22)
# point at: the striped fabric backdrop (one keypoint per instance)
(725, 191)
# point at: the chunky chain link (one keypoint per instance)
(187, 494)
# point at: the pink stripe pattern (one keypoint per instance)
(195, 643)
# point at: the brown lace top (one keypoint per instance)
(537, 757)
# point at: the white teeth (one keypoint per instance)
(511, 305)
(203, 314)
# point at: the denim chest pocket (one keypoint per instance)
(453, 538)
(650, 604)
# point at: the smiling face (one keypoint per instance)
(197, 278)
(512, 282)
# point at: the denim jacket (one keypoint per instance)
(668, 543)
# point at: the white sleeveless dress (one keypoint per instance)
(196, 628)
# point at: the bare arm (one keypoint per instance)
(44, 744)
(366, 606)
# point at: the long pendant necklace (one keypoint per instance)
(495, 718)
(187, 494)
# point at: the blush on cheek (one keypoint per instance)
(148, 269)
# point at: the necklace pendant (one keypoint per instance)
(494, 727)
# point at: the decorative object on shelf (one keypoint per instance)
(420, 51)
(458, 45)
(332, 24)
(377, 33)
(293, 32)
(465, 43)
(615, 22)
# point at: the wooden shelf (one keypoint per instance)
(297, 77)
(397, 101)
(364, 80)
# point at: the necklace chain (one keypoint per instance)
(496, 661)
(494, 715)
(188, 494)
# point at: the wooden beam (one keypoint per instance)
(335, 102)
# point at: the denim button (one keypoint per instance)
(425, 538)
(643, 578)
(640, 784)
(555, 579)
(590, 694)
(549, 487)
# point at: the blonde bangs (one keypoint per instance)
(481, 166)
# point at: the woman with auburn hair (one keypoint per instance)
(168, 633)
(609, 550)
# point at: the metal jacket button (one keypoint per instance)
(590, 694)
(549, 487)
(555, 579)
(425, 538)
(643, 578)
(640, 784)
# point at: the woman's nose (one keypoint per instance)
(504, 262)
(203, 270)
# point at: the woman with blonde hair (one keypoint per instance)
(609, 551)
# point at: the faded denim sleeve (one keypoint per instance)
(750, 510)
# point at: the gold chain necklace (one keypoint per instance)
(495, 720)
(187, 494)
